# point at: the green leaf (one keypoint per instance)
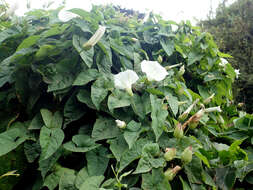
(92, 183)
(97, 161)
(28, 42)
(193, 57)
(81, 177)
(81, 143)
(86, 76)
(156, 181)
(104, 128)
(184, 184)
(203, 158)
(12, 138)
(57, 120)
(158, 115)
(167, 45)
(60, 175)
(132, 154)
(73, 110)
(46, 164)
(148, 159)
(60, 81)
(141, 105)
(173, 102)
(56, 30)
(194, 170)
(86, 55)
(118, 99)
(50, 141)
(118, 146)
(98, 91)
(225, 177)
(67, 180)
(37, 122)
(84, 97)
(32, 150)
(132, 132)
(47, 117)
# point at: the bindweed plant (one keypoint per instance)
(104, 101)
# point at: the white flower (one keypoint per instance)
(223, 62)
(124, 80)
(65, 15)
(13, 7)
(153, 70)
(95, 38)
(237, 72)
(213, 109)
(120, 124)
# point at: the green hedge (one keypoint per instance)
(108, 101)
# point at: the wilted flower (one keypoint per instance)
(153, 70)
(95, 38)
(237, 72)
(194, 120)
(213, 109)
(65, 15)
(170, 154)
(186, 156)
(188, 110)
(120, 124)
(208, 100)
(124, 80)
(171, 172)
(178, 131)
(223, 62)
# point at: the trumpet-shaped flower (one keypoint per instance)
(124, 80)
(65, 15)
(95, 38)
(153, 70)
(213, 109)
(237, 72)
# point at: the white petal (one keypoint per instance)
(153, 70)
(65, 15)
(124, 80)
(237, 72)
(120, 124)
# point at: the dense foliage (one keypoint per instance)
(232, 28)
(65, 123)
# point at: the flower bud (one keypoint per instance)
(120, 124)
(95, 38)
(173, 66)
(213, 109)
(240, 105)
(178, 132)
(181, 71)
(186, 156)
(160, 59)
(170, 154)
(134, 39)
(171, 172)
